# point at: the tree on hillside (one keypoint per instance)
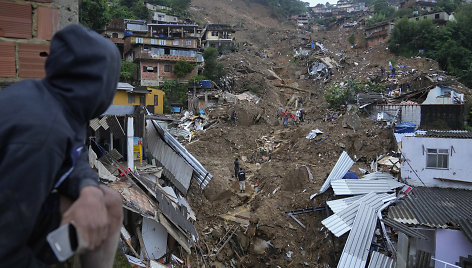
(94, 14)
(212, 69)
(128, 71)
(175, 92)
(182, 68)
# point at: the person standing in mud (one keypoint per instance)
(236, 168)
(242, 180)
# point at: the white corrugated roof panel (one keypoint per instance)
(377, 176)
(357, 246)
(379, 260)
(340, 204)
(340, 223)
(342, 166)
(352, 187)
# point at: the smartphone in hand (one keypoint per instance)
(63, 241)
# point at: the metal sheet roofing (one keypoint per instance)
(351, 187)
(434, 207)
(7, 59)
(340, 204)
(342, 166)
(31, 61)
(200, 174)
(175, 167)
(455, 134)
(124, 86)
(379, 260)
(15, 20)
(404, 229)
(357, 246)
(119, 110)
(378, 175)
(340, 223)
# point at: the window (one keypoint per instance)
(167, 68)
(436, 16)
(175, 42)
(188, 42)
(139, 40)
(437, 158)
(114, 35)
(162, 42)
(130, 98)
(214, 33)
(153, 41)
(149, 69)
(156, 100)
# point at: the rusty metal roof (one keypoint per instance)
(31, 63)
(48, 22)
(435, 207)
(15, 20)
(7, 59)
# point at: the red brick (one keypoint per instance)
(15, 20)
(31, 63)
(7, 59)
(48, 22)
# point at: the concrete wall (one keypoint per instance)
(26, 29)
(450, 245)
(457, 174)
(408, 113)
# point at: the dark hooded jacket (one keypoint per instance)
(43, 130)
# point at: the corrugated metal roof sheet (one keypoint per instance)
(357, 246)
(456, 134)
(175, 167)
(404, 229)
(201, 175)
(48, 22)
(15, 20)
(124, 86)
(31, 63)
(379, 260)
(340, 204)
(342, 166)
(119, 110)
(94, 124)
(340, 223)
(434, 207)
(378, 176)
(351, 187)
(466, 227)
(7, 59)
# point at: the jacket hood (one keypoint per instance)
(82, 71)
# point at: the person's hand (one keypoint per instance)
(89, 215)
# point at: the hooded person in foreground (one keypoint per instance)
(45, 179)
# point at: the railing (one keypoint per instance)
(446, 264)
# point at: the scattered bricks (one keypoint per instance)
(15, 20)
(7, 59)
(31, 62)
(48, 22)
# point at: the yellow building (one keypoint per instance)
(152, 98)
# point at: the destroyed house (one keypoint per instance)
(431, 108)
(437, 159)
(378, 33)
(160, 48)
(217, 36)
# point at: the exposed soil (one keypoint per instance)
(274, 156)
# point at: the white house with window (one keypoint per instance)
(438, 159)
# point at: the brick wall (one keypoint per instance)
(26, 28)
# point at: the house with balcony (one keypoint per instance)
(378, 33)
(160, 48)
(217, 36)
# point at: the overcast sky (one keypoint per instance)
(315, 2)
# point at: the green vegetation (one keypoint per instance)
(212, 69)
(284, 8)
(128, 71)
(96, 14)
(182, 68)
(382, 12)
(196, 79)
(450, 45)
(175, 92)
(338, 95)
